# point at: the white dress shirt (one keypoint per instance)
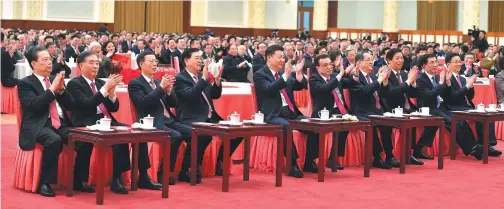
(41, 79)
(103, 91)
(338, 92)
(430, 78)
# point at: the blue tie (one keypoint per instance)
(434, 83)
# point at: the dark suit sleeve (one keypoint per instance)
(68, 53)
(261, 83)
(170, 100)
(412, 92)
(228, 67)
(400, 89)
(186, 92)
(256, 63)
(7, 63)
(461, 92)
(82, 101)
(298, 86)
(319, 86)
(66, 100)
(30, 101)
(366, 89)
(138, 96)
(348, 82)
(423, 89)
(216, 91)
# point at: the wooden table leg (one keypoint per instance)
(441, 146)
(166, 167)
(288, 151)
(407, 152)
(194, 156)
(69, 155)
(227, 162)
(280, 158)
(134, 170)
(334, 152)
(246, 164)
(369, 151)
(402, 160)
(321, 162)
(453, 142)
(486, 129)
(100, 181)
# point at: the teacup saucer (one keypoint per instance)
(148, 128)
(106, 130)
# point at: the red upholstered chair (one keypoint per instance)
(27, 163)
(9, 99)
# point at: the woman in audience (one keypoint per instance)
(105, 57)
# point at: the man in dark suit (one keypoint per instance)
(470, 69)
(275, 98)
(44, 101)
(402, 86)
(72, 50)
(127, 44)
(153, 97)
(96, 99)
(8, 61)
(309, 57)
(432, 93)
(59, 64)
(207, 52)
(235, 67)
(460, 99)
(141, 46)
(195, 95)
(326, 90)
(259, 59)
(181, 45)
(365, 101)
(167, 53)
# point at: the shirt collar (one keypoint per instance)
(88, 80)
(40, 78)
(323, 77)
(364, 73)
(429, 75)
(192, 75)
(146, 78)
(396, 72)
(273, 72)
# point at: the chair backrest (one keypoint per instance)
(254, 105)
(176, 64)
(133, 112)
(309, 105)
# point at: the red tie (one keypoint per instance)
(165, 111)
(375, 95)
(286, 97)
(340, 105)
(406, 103)
(206, 99)
(101, 106)
(53, 110)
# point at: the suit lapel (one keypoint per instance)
(269, 74)
(87, 87)
(37, 84)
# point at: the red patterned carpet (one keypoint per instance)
(464, 183)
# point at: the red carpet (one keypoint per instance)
(464, 183)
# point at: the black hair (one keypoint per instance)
(422, 60)
(83, 55)
(32, 55)
(272, 49)
(450, 56)
(318, 58)
(390, 54)
(141, 57)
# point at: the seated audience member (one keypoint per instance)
(235, 66)
(8, 61)
(59, 65)
(72, 51)
(44, 102)
(470, 69)
(259, 59)
(109, 66)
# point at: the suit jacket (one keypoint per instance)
(268, 89)
(361, 96)
(86, 102)
(456, 99)
(147, 101)
(499, 86)
(308, 63)
(258, 62)
(192, 106)
(205, 56)
(8, 65)
(166, 57)
(427, 94)
(58, 67)
(396, 93)
(125, 47)
(35, 106)
(321, 93)
(470, 72)
(231, 71)
(70, 52)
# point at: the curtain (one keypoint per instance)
(165, 16)
(437, 15)
(129, 15)
(495, 16)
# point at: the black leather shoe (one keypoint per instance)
(310, 166)
(415, 161)
(198, 172)
(83, 187)
(171, 180)
(45, 190)
(379, 163)
(117, 186)
(186, 177)
(296, 172)
(393, 162)
(477, 152)
(493, 152)
(218, 168)
(338, 166)
(422, 155)
(145, 182)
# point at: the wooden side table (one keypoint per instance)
(405, 124)
(226, 133)
(323, 128)
(485, 118)
(102, 140)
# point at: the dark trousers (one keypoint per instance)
(312, 142)
(386, 138)
(121, 156)
(178, 133)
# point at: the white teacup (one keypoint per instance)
(492, 106)
(491, 76)
(324, 114)
(104, 123)
(424, 111)
(501, 106)
(234, 118)
(480, 108)
(398, 112)
(147, 122)
(258, 117)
